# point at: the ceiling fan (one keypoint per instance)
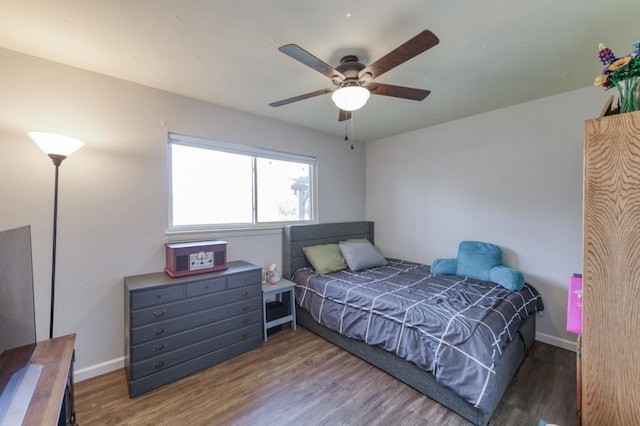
(353, 81)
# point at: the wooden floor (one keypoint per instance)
(298, 378)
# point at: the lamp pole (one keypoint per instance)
(57, 147)
(57, 160)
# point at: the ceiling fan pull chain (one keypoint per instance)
(346, 130)
(352, 115)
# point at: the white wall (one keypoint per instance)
(512, 177)
(112, 216)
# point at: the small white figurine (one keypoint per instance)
(273, 276)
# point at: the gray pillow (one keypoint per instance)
(361, 255)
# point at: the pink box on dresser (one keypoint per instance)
(198, 257)
(574, 305)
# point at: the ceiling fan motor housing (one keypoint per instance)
(350, 68)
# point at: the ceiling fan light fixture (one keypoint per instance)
(350, 98)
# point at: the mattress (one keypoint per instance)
(451, 326)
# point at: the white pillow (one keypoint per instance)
(361, 255)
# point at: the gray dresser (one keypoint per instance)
(175, 327)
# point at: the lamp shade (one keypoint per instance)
(54, 144)
(350, 98)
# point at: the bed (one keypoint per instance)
(295, 237)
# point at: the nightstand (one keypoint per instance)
(283, 286)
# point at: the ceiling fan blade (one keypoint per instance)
(300, 97)
(418, 44)
(398, 91)
(301, 55)
(344, 115)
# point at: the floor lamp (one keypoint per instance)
(57, 147)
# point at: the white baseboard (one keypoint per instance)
(98, 369)
(556, 341)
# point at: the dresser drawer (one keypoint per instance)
(185, 306)
(245, 279)
(162, 329)
(159, 347)
(201, 288)
(167, 375)
(156, 296)
(178, 356)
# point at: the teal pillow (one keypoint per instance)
(444, 266)
(475, 259)
(509, 278)
(325, 258)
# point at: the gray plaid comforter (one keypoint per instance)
(452, 326)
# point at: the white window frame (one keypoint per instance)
(254, 152)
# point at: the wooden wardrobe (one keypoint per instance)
(609, 371)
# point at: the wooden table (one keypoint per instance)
(56, 356)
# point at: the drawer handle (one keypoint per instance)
(159, 314)
(244, 307)
(244, 293)
(245, 321)
(158, 330)
(158, 347)
(244, 334)
(158, 364)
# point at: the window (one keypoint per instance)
(216, 184)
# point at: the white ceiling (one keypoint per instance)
(492, 53)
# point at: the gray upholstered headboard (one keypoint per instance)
(297, 236)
